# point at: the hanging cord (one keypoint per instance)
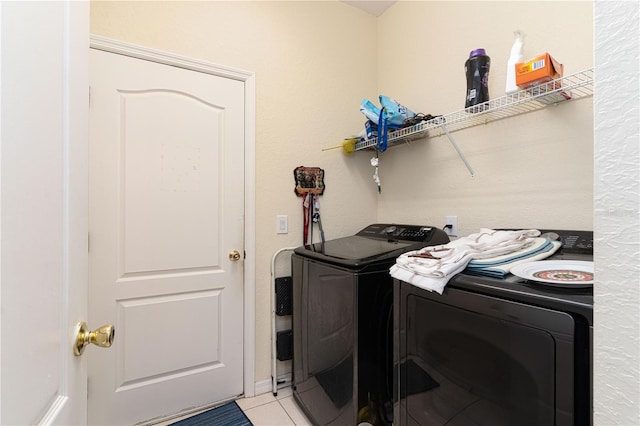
(316, 216)
(382, 131)
(305, 217)
(376, 177)
(381, 145)
(310, 218)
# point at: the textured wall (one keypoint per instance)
(314, 61)
(617, 214)
(534, 170)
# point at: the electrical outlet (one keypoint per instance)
(451, 226)
(282, 224)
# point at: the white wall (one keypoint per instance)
(617, 214)
(533, 170)
(314, 61)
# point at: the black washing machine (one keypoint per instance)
(497, 351)
(343, 323)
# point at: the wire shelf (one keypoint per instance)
(572, 87)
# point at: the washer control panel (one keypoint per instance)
(417, 233)
(580, 242)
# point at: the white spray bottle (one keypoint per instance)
(514, 58)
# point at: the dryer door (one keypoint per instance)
(473, 359)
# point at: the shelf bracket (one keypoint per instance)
(457, 148)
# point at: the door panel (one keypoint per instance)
(140, 317)
(167, 206)
(43, 249)
(171, 212)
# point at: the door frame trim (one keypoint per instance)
(248, 78)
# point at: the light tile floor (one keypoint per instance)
(268, 410)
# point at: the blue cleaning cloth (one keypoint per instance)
(500, 266)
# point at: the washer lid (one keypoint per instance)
(355, 251)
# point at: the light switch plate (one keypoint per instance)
(282, 224)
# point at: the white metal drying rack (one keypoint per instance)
(572, 87)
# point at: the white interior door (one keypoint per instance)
(166, 211)
(43, 216)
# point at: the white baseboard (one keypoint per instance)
(263, 386)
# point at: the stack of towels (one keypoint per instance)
(488, 252)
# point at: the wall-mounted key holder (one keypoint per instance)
(309, 180)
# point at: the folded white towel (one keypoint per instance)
(431, 268)
(500, 266)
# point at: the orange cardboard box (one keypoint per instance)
(537, 70)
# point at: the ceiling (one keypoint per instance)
(374, 7)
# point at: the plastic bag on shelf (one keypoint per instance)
(396, 113)
(393, 112)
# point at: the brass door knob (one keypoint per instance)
(234, 255)
(102, 337)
